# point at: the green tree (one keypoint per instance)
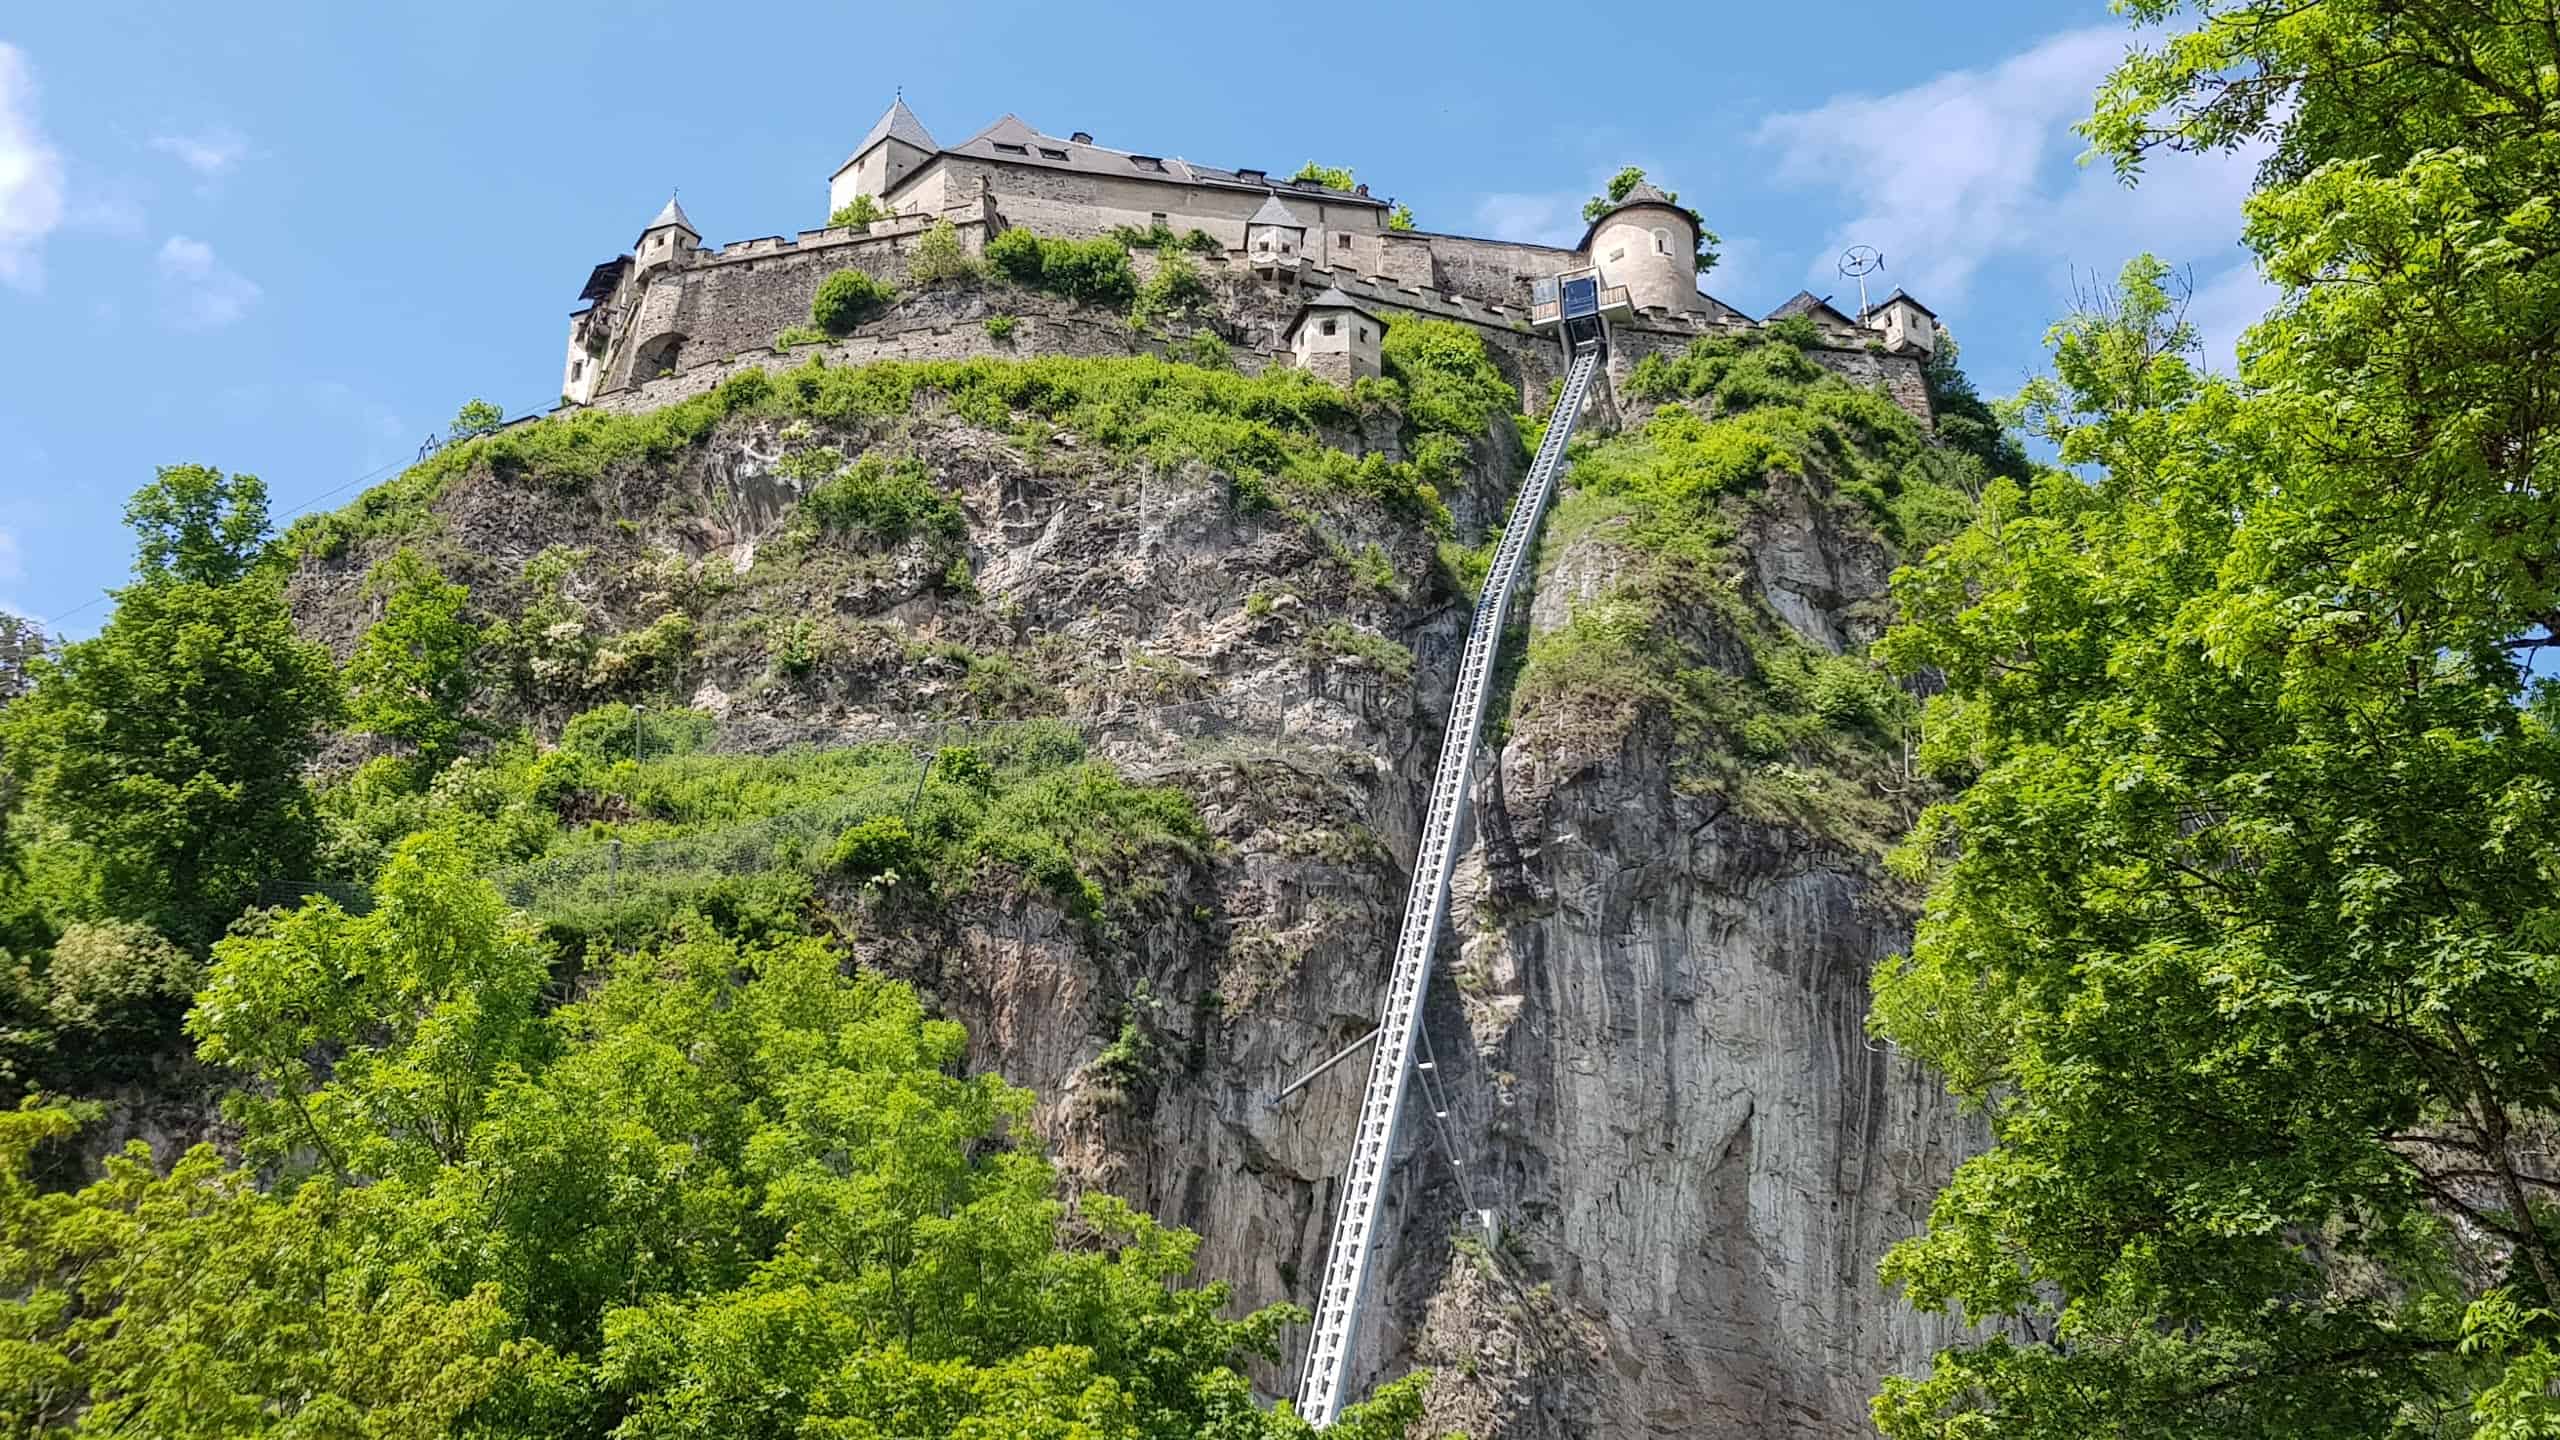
(411, 676)
(1331, 177)
(187, 1305)
(195, 525)
(1400, 217)
(476, 417)
(374, 1039)
(860, 210)
(160, 762)
(939, 258)
(2242, 930)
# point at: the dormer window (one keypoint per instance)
(1048, 154)
(1013, 149)
(1148, 163)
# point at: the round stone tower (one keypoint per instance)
(1648, 244)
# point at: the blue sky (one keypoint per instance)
(291, 238)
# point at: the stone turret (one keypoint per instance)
(670, 239)
(1274, 235)
(1649, 244)
(897, 144)
(1337, 337)
(1909, 327)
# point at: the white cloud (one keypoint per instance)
(1550, 218)
(206, 294)
(211, 154)
(1973, 167)
(30, 176)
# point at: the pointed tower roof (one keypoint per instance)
(1273, 212)
(898, 123)
(1805, 302)
(1645, 193)
(1330, 298)
(1902, 295)
(895, 123)
(672, 214)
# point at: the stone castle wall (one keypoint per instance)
(772, 294)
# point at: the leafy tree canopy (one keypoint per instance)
(731, 1192)
(162, 758)
(411, 676)
(2242, 932)
(1331, 177)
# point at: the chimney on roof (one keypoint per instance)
(1082, 137)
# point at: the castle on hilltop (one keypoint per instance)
(674, 317)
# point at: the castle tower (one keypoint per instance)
(897, 144)
(669, 238)
(1909, 327)
(1274, 235)
(1649, 244)
(1337, 337)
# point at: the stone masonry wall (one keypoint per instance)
(733, 311)
(1498, 270)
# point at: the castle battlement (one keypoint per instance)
(673, 307)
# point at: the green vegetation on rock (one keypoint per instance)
(1088, 272)
(847, 298)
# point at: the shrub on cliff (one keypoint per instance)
(846, 299)
(939, 258)
(1089, 272)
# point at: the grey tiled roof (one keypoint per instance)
(673, 214)
(1330, 298)
(1644, 193)
(896, 123)
(1274, 212)
(1904, 296)
(1010, 141)
(1805, 302)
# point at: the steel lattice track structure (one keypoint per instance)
(1355, 1224)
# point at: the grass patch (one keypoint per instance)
(755, 835)
(1342, 640)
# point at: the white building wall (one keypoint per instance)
(882, 168)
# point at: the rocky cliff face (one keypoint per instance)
(1647, 1018)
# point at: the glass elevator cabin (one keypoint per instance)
(1576, 307)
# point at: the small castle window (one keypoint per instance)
(1341, 242)
(1330, 326)
(1157, 218)
(1048, 154)
(1362, 331)
(1617, 255)
(1013, 149)
(576, 369)
(1661, 241)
